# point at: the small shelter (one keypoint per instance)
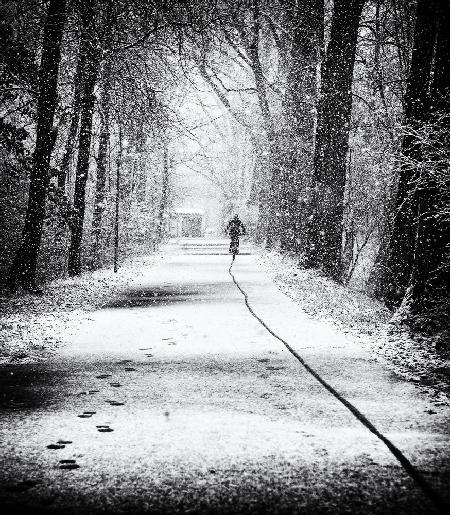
(187, 223)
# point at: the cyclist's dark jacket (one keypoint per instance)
(235, 228)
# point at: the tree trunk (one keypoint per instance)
(324, 244)
(119, 159)
(305, 45)
(75, 120)
(270, 185)
(84, 145)
(399, 262)
(102, 161)
(23, 269)
(164, 194)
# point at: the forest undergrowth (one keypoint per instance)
(414, 356)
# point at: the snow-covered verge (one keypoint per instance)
(411, 356)
(32, 328)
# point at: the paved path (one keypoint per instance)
(188, 405)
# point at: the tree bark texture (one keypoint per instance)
(102, 161)
(324, 233)
(23, 269)
(305, 45)
(269, 188)
(260, 81)
(91, 50)
(163, 204)
(74, 121)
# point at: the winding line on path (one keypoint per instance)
(428, 490)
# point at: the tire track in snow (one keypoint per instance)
(411, 470)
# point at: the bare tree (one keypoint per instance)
(396, 269)
(324, 246)
(90, 47)
(23, 269)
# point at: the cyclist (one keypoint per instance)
(235, 228)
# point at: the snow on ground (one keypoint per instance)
(175, 399)
(413, 357)
(32, 328)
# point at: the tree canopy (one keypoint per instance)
(324, 124)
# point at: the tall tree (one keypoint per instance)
(91, 49)
(430, 275)
(104, 137)
(324, 235)
(268, 206)
(102, 159)
(399, 260)
(23, 269)
(74, 119)
(163, 204)
(305, 44)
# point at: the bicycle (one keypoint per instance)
(234, 247)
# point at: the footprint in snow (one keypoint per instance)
(68, 465)
(60, 444)
(115, 403)
(88, 392)
(87, 414)
(104, 429)
(146, 348)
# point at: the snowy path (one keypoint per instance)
(209, 413)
